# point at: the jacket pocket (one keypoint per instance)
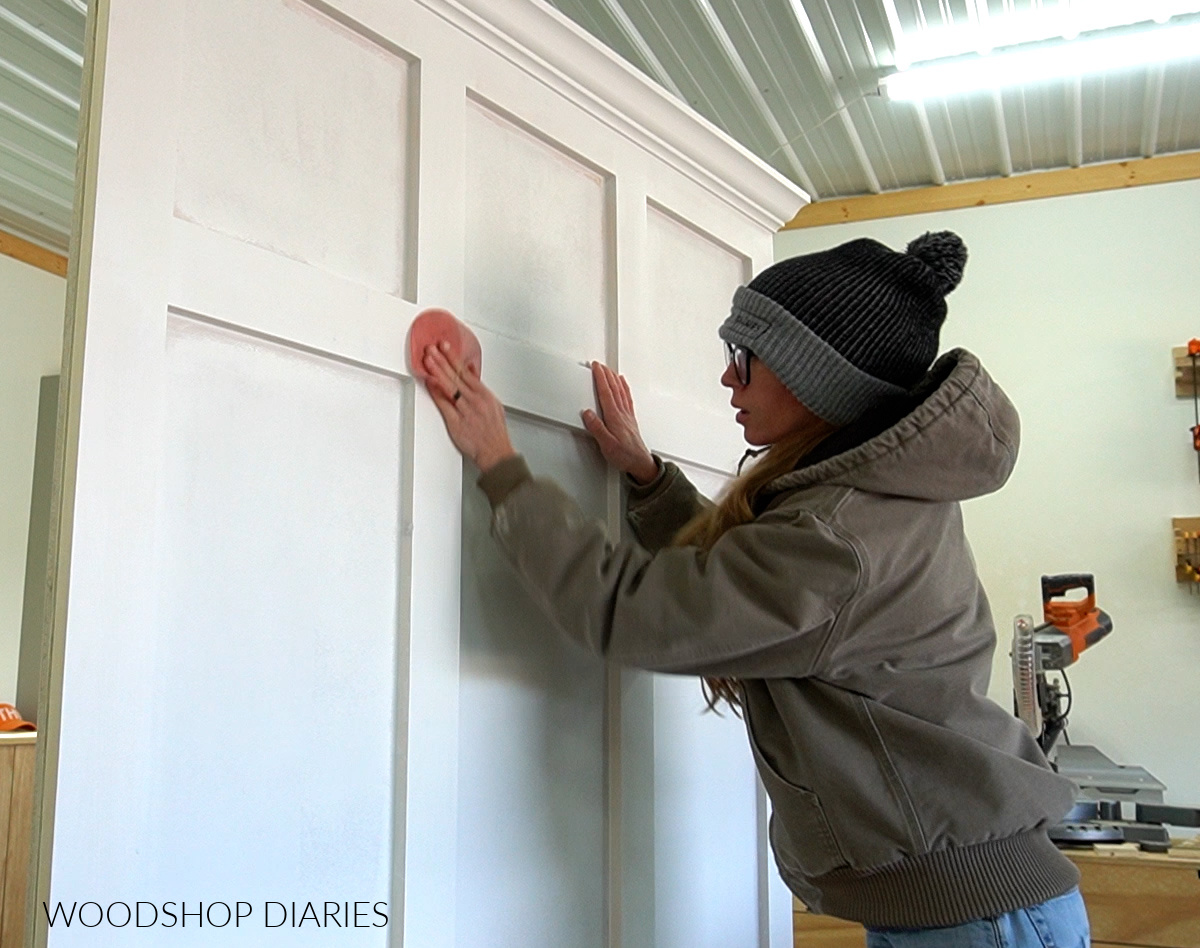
(801, 836)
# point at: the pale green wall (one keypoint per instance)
(31, 328)
(1074, 304)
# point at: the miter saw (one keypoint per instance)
(1040, 656)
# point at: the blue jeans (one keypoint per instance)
(1059, 923)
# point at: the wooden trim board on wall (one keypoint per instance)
(17, 247)
(1024, 187)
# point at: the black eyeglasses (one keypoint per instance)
(739, 357)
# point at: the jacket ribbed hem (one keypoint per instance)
(950, 886)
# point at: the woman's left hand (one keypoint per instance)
(616, 429)
(474, 416)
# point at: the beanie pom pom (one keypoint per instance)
(944, 253)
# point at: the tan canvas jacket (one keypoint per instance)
(851, 610)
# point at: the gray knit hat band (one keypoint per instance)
(850, 328)
(815, 372)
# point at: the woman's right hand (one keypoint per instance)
(616, 429)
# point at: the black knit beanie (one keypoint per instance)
(848, 329)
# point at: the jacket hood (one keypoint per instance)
(959, 441)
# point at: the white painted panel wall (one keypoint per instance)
(262, 156)
(31, 327)
(538, 238)
(276, 653)
(532, 752)
(694, 259)
(707, 835)
(691, 276)
(710, 867)
(240, 572)
(299, 532)
(1074, 304)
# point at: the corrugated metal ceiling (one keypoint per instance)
(41, 67)
(796, 81)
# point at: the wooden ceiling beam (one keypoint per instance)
(27, 252)
(1110, 176)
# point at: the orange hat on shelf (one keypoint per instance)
(11, 720)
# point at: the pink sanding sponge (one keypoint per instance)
(434, 326)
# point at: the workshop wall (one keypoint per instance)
(1074, 304)
(31, 330)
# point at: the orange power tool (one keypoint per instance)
(1072, 625)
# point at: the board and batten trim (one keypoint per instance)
(1108, 176)
(33, 254)
(544, 43)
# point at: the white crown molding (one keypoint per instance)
(543, 42)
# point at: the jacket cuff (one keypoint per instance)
(639, 492)
(644, 496)
(502, 479)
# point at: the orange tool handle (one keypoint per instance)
(1063, 583)
(1079, 619)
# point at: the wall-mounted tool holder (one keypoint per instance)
(1185, 380)
(1187, 551)
(1187, 384)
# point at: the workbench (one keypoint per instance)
(1134, 900)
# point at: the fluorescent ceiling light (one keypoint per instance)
(983, 31)
(1045, 62)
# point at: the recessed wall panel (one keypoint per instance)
(706, 833)
(296, 138)
(531, 743)
(705, 802)
(276, 652)
(537, 238)
(690, 282)
(690, 808)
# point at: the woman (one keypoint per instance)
(830, 595)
